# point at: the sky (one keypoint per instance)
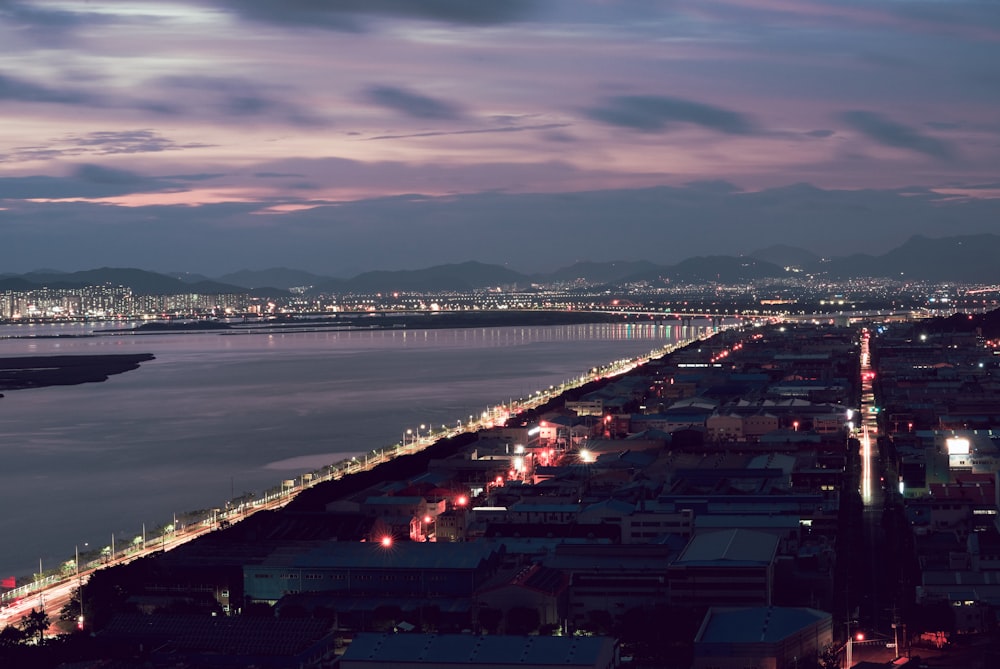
(339, 136)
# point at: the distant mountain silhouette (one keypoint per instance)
(967, 258)
(140, 281)
(970, 259)
(786, 256)
(459, 277)
(277, 277)
(16, 283)
(602, 272)
(724, 269)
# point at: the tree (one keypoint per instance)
(11, 636)
(829, 657)
(71, 610)
(34, 624)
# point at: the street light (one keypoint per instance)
(860, 636)
(79, 587)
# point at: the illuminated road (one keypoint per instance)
(872, 619)
(55, 591)
(870, 488)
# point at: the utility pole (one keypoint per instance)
(896, 625)
(41, 589)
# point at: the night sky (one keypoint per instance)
(339, 136)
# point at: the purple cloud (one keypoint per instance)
(413, 104)
(890, 133)
(656, 113)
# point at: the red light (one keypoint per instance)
(386, 541)
(462, 500)
(860, 636)
(427, 519)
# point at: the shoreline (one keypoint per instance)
(291, 486)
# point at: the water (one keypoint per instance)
(217, 414)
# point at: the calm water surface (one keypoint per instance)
(215, 414)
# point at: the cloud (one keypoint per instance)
(236, 99)
(85, 181)
(105, 175)
(655, 113)
(890, 133)
(102, 143)
(129, 141)
(349, 15)
(943, 125)
(820, 134)
(46, 25)
(412, 104)
(19, 90)
(674, 223)
(544, 126)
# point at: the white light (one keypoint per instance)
(957, 446)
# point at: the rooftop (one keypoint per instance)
(731, 546)
(764, 624)
(468, 650)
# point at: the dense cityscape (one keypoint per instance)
(773, 297)
(470, 334)
(814, 485)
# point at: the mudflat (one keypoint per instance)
(64, 370)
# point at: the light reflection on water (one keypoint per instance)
(215, 413)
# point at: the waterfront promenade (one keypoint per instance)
(51, 591)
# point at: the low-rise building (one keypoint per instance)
(403, 651)
(761, 637)
(725, 568)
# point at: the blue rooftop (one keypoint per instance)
(464, 650)
(763, 624)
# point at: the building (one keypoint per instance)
(725, 568)
(762, 637)
(402, 651)
(533, 587)
(222, 642)
(402, 570)
(612, 578)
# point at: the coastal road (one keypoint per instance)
(53, 596)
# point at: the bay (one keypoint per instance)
(217, 414)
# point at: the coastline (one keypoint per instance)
(291, 486)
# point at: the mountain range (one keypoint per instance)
(960, 259)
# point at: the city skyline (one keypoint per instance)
(340, 137)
